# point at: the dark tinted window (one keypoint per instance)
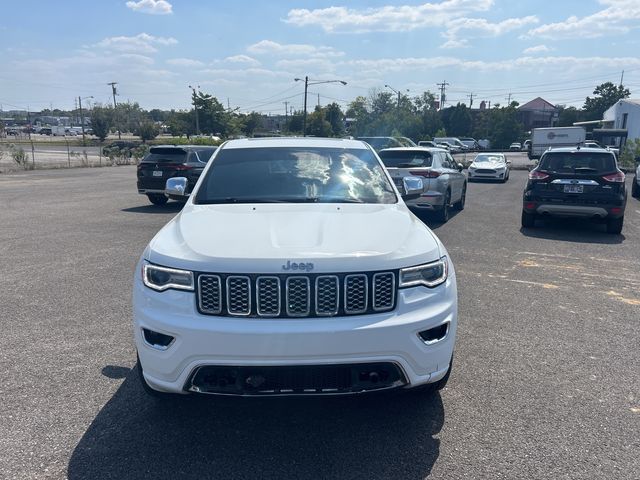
(569, 162)
(201, 154)
(166, 155)
(295, 174)
(405, 158)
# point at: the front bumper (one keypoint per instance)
(204, 340)
(497, 175)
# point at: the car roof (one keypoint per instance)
(274, 142)
(184, 147)
(579, 149)
(418, 149)
(490, 153)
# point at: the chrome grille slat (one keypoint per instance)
(268, 296)
(384, 291)
(210, 294)
(327, 295)
(239, 295)
(296, 296)
(356, 293)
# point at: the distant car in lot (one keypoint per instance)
(378, 143)
(167, 161)
(526, 145)
(635, 186)
(45, 131)
(450, 147)
(427, 143)
(515, 146)
(489, 166)
(453, 141)
(576, 182)
(470, 143)
(444, 184)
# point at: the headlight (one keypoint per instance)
(162, 278)
(472, 167)
(429, 274)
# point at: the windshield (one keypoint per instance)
(166, 155)
(489, 158)
(295, 174)
(571, 162)
(405, 158)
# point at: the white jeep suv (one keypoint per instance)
(294, 268)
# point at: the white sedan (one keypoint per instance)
(492, 166)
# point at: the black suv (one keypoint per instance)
(576, 182)
(168, 161)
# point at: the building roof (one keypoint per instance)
(538, 103)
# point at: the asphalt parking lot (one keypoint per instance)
(546, 380)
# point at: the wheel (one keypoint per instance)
(614, 225)
(157, 198)
(145, 386)
(460, 203)
(443, 213)
(635, 190)
(528, 219)
(506, 177)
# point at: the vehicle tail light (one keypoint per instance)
(617, 177)
(425, 173)
(537, 175)
(183, 167)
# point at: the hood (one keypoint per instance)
(488, 164)
(263, 238)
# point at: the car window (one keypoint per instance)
(489, 158)
(405, 158)
(569, 162)
(166, 155)
(296, 174)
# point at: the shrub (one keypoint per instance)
(20, 157)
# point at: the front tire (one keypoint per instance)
(614, 225)
(635, 190)
(157, 198)
(528, 220)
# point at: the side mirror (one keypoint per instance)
(413, 188)
(176, 186)
(508, 162)
(460, 167)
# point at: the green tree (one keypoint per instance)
(606, 95)
(567, 116)
(333, 114)
(296, 122)
(250, 123)
(148, 130)
(505, 127)
(101, 122)
(317, 126)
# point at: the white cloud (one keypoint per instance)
(244, 73)
(386, 19)
(618, 18)
(141, 43)
(480, 28)
(153, 7)
(268, 47)
(185, 62)
(537, 49)
(243, 59)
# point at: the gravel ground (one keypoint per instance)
(546, 381)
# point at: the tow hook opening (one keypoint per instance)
(435, 334)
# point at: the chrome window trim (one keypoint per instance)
(308, 309)
(375, 291)
(366, 293)
(268, 277)
(207, 310)
(235, 314)
(335, 312)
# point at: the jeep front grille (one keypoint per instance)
(311, 295)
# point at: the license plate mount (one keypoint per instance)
(573, 189)
(157, 173)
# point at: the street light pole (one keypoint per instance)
(82, 116)
(306, 88)
(195, 108)
(398, 92)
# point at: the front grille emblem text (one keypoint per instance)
(306, 267)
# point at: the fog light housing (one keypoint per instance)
(157, 340)
(435, 334)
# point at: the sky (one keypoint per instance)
(248, 53)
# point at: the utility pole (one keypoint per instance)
(195, 108)
(286, 111)
(443, 92)
(318, 100)
(508, 99)
(304, 115)
(470, 99)
(113, 91)
(621, 78)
